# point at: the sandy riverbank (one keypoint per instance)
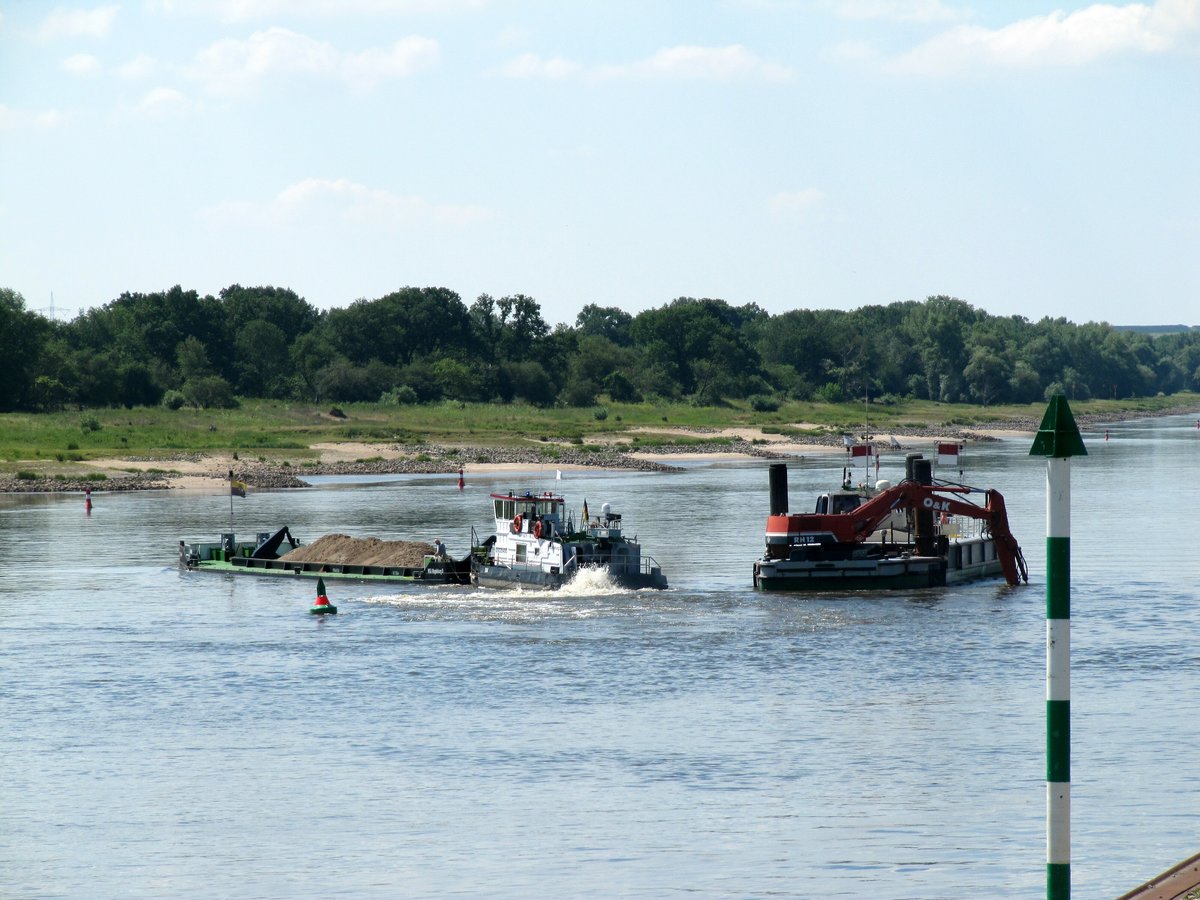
(209, 472)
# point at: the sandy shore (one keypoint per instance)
(209, 472)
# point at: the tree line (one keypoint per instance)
(425, 345)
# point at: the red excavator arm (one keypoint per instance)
(858, 524)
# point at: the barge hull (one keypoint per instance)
(965, 562)
(449, 574)
(231, 557)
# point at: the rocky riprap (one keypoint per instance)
(135, 482)
(432, 459)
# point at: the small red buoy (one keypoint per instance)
(321, 606)
(461, 482)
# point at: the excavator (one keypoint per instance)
(858, 541)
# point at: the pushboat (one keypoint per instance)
(262, 556)
(537, 544)
(914, 534)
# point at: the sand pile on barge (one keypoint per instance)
(344, 550)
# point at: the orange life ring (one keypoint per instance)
(516, 524)
(537, 529)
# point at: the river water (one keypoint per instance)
(166, 733)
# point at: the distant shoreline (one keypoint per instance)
(209, 472)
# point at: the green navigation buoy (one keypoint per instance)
(322, 606)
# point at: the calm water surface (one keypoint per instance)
(198, 734)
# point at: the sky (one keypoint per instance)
(1030, 158)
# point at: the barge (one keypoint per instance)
(262, 556)
(915, 534)
(537, 544)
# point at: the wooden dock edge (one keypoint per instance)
(1174, 884)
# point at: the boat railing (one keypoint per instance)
(650, 564)
(962, 527)
(481, 549)
(583, 557)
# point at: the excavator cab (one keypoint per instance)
(838, 502)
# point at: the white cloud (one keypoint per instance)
(161, 103)
(512, 36)
(69, 23)
(323, 199)
(530, 65)
(141, 66)
(81, 64)
(851, 52)
(233, 65)
(729, 63)
(248, 10)
(1059, 38)
(790, 204)
(714, 63)
(26, 120)
(237, 66)
(918, 11)
(405, 57)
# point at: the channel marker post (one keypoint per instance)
(1058, 440)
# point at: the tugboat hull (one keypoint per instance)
(494, 576)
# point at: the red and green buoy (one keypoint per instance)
(321, 606)
(1058, 440)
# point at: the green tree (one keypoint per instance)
(529, 380)
(609, 322)
(192, 356)
(209, 392)
(522, 328)
(400, 326)
(987, 374)
(459, 380)
(261, 351)
(23, 335)
(677, 337)
(938, 329)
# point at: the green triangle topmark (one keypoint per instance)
(1058, 435)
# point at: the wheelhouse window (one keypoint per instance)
(844, 503)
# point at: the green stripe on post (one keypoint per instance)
(1058, 740)
(1058, 881)
(1058, 577)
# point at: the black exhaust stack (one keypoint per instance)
(779, 490)
(923, 473)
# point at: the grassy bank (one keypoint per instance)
(273, 429)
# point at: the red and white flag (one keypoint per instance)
(864, 453)
(948, 453)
